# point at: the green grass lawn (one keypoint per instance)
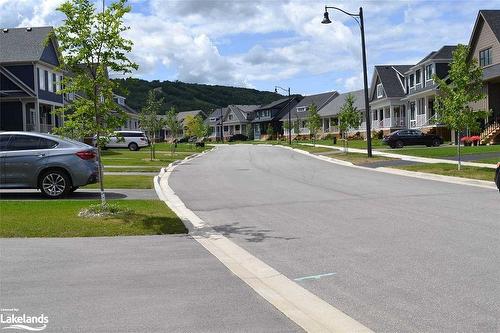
(134, 169)
(492, 160)
(310, 149)
(445, 151)
(359, 159)
(140, 158)
(360, 144)
(60, 219)
(118, 181)
(451, 170)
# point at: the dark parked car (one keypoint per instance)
(497, 176)
(238, 137)
(412, 137)
(52, 164)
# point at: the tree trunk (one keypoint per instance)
(101, 175)
(458, 150)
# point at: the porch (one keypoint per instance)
(23, 116)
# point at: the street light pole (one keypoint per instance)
(326, 20)
(289, 113)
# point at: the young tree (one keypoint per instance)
(349, 118)
(313, 121)
(149, 119)
(296, 126)
(173, 125)
(270, 131)
(91, 43)
(249, 131)
(286, 127)
(195, 126)
(453, 101)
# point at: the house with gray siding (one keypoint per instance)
(300, 111)
(231, 120)
(271, 114)
(387, 111)
(421, 90)
(484, 46)
(29, 80)
(330, 112)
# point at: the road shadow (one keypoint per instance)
(36, 195)
(249, 233)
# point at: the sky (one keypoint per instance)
(263, 43)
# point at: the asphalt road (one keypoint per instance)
(129, 284)
(401, 254)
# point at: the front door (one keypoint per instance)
(256, 133)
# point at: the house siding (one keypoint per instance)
(485, 40)
(49, 55)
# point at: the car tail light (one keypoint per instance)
(86, 155)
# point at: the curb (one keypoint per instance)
(300, 305)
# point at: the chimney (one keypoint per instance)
(28, 29)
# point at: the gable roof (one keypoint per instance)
(183, 114)
(274, 104)
(389, 77)
(492, 17)
(320, 100)
(23, 45)
(333, 108)
(444, 53)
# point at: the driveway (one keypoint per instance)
(398, 254)
(129, 284)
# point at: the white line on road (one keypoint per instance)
(313, 277)
(300, 305)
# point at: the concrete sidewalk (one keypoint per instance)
(407, 157)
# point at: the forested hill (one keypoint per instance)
(191, 96)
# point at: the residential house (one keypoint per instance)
(484, 46)
(165, 133)
(132, 121)
(29, 80)
(300, 112)
(329, 113)
(387, 111)
(271, 114)
(233, 119)
(421, 90)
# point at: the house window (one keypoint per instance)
(302, 109)
(58, 82)
(380, 90)
(213, 119)
(50, 82)
(412, 80)
(46, 80)
(225, 128)
(417, 76)
(375, 115)
(54, 82)
(41, 79)
(485, 57)
(230, 117)
(428, 72)
(237, 127)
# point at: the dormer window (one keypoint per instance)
(213, 119)
(485, 57)
(230, 117)
(380, 90)
(429, 72)
(302, 109)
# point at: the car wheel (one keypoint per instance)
(436, 143)
(54, 184)
(133, 146)
(399, 144)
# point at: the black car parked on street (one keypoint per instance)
(497, 176)
(412, 137)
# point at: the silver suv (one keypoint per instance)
(52, 164)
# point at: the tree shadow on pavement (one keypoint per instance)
(248, 233)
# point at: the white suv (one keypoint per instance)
(133, 140)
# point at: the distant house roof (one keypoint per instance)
(23, 44)
(274, 104)
(389, 76)
(444, 53)
(333, 108)
(320, 100)
(240, 111)
(183, 114)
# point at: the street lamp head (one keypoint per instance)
(326, 18)
(275, 90)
